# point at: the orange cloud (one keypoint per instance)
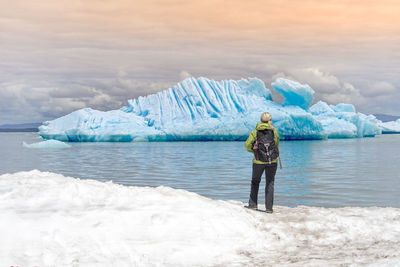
(54, 44)
(260, 19)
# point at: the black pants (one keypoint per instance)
(258, 169)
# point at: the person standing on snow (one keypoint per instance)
(263, 142)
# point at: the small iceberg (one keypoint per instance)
(48, 144)
(390, 127)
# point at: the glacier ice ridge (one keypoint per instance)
(201, 109)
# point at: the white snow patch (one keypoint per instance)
(51, 220)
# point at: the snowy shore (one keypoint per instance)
(51, 220)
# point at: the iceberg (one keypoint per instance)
(206, 110)
(342, 121)
(390, 127)
(295, 94)
(48, 219)
(48, 144)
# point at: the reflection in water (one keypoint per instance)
(329, 173)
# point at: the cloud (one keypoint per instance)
(27, 101)
(99, 54)
(24, 102)
(381, 97)
(381, 88)
(184, 74)
(75, 90)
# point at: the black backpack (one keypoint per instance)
(265, 148)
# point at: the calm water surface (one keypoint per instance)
(329, 173)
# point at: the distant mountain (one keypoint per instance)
(23, 127)
(386, 118)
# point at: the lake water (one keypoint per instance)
(328, 173)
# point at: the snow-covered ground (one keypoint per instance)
(51, 220)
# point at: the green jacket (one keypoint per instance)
(252, 139)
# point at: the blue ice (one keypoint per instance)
(204, 110)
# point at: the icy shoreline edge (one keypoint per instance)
(52, 220)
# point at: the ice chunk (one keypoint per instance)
(51, 220)
(341, 121)
(254, 87)
(295, 93)
(344, 108)
(202, 110)
(321, 108)
(390, 127)
(48, 144)
(367, 125)
(88, 125)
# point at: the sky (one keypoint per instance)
(59, 56)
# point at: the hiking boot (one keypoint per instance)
(269, 211)
(251, 207)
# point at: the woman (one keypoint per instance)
(263, 142)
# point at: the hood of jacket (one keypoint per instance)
(263, 126)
